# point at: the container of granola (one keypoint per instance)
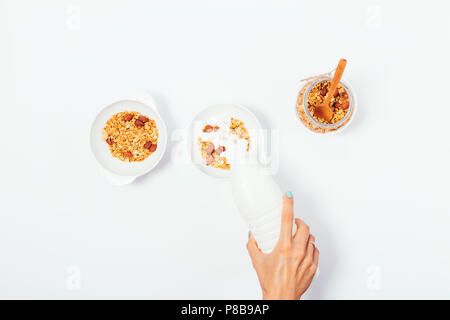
(213, 132)
(343, 104)
(128, 138)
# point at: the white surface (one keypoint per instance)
(382, 204)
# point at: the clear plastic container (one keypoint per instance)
(307, 118)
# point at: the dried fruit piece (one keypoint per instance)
(109, 141)
(219, 150)
(139, 123)
(209, 159)
(216, 128)
(153, 148)
(337, 105)
(208, 128)
(128, 117)
(210, 148)
(128, 154)
(344, 95)
(144, 119)
(324, 91)
(147, 145)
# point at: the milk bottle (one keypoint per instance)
(257, 196)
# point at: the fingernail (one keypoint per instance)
(289, 194)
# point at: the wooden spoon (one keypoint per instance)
(323, 110)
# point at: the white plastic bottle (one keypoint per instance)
(257, 196)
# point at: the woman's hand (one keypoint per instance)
(288, 270)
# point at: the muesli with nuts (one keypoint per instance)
(340, 105)
(131, 136)
(215, 138)
(339, 102)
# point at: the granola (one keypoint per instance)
(130, 136)
(340, 110)
(339, 102)
(212, 155)
(215, 139)
(238, 128)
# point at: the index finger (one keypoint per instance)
(287, 217)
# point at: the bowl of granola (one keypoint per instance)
(128, 138)
(214, 130)
(343, 104)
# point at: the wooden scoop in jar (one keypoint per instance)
(323, 110)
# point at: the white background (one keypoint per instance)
(377, 196)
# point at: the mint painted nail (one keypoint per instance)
(289, 194)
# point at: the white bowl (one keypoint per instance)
(117, 171)
(220, 111)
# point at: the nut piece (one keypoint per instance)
(104, 135)
(208, 128)
(128, 117)
(144, 119)
(345, 105)
(153, 147)
(128, 154)
(147, 145)
(139, 123)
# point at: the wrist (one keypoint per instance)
(279, 296)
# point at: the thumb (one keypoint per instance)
(252, 248)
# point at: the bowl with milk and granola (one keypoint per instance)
(213, 132)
